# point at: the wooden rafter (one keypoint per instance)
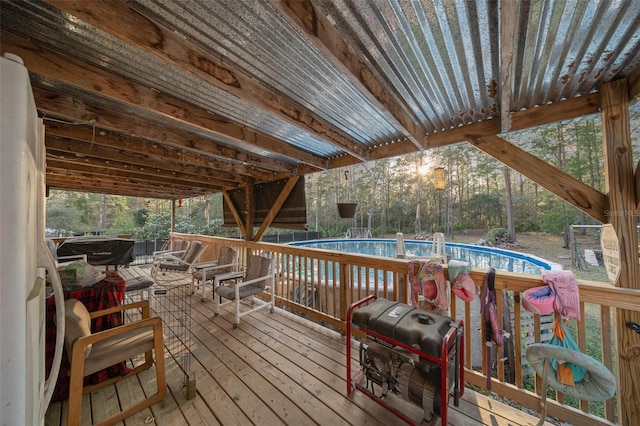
(277, 205)
(234, 212)
(565, 186)
(116, 173)
(70, 149)
(634, 85)
(306, 15)
(227, 170)
(108, 122)
(105, 186)
(123, 22)
(539, 116)
(73, 72)
(508, 27)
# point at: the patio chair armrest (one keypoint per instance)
(255, 280)
(206, 269)
(208, 264)
(168, 258)
(143, 305)
(110, 332)
(163, 253)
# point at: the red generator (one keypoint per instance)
(406, 355)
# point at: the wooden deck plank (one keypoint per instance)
(269, 364)
(276, 385)
(107, 406)
(273, 369)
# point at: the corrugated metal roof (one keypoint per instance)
(254, 37)
(442, 64)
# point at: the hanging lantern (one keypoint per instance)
(179, 203)
(439, 178)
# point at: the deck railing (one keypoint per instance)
(321, 284)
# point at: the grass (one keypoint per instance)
(550, 247)
(546, 246)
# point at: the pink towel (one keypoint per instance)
(427, 278)
(565, 287)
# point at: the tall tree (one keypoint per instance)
(511, 226)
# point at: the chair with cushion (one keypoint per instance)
(255, 280)
(92, 352)
(176, 263)
(175, 246)
(215, 272)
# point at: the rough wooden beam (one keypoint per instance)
(57, 105)
(508, 31)
(236, 215)
(121, 21)
(277, 205)
(539, 116)
(129, 178)
(72, 162)
(557, 111)
(76, 73)
(98, 186)
(326, 38)
(72, 168)
(634, 85)
(226, 170)
(251, 209)
(95, 153)
(582, 196)
(637, 179)
(620, 183)
(546, 114)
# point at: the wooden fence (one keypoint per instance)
(321, 284)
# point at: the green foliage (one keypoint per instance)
(157, 227)
(388, 192)
(485, 210)
(140, 217)
(556, 218)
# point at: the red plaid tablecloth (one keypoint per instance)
(104, 294)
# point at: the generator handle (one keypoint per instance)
(352, 308)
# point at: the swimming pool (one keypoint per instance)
(478, 256)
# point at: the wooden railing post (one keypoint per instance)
(623, 215)
(345, 290)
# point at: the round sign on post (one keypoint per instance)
(610, 252)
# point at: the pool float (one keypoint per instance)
(539, 300)
(598, 384)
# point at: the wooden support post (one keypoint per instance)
(623, 215)
(173, 215)
(251, 208)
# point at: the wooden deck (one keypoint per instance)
(273, 369)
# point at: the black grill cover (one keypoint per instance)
(100, 250)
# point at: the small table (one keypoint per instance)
(104, 294)
(201, 270)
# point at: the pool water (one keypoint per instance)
(477, 256)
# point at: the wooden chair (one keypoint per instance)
(258, 274)
(92, 352)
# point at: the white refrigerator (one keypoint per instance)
(24, 256)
